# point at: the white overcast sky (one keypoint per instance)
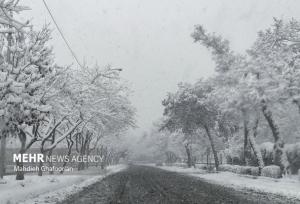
(151, 40)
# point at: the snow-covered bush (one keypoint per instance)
(201, 166)
(226, 167)
(230, 168)
(234, 155)
(266, 149)
(237, 169)
(245, 170)
(241, 169)
(179, 164)
(248, 170)
(293, 156)
(254, 171)
(272, 171)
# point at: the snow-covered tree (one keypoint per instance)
(26, 66)
(189, 110)
(231, 91)
(262, 81)
(89, 106)
(41, 103)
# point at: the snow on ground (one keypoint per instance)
(50, 188)
(289, 187)
(183, 170)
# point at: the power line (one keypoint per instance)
(62, 35)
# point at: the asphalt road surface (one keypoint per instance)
(149, 185)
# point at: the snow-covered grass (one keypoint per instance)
(289, 186)
(50, 188)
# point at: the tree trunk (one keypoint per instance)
(40, 173)
(70, 143)
(247, 150)
(103, 152)
(22, 137)
(2, 155)
(50, 162)
(97, 153)
(87, 154)
(253, 144)
(65, 163)
(188, 153)
(83, 150)
(255, 147)
(50, 154)
(207, 156)
(279, 153)
(81, 164)
(212, 147)
(257, 153)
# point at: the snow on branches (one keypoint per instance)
(45, 104)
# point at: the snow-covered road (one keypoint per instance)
(149, 185)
